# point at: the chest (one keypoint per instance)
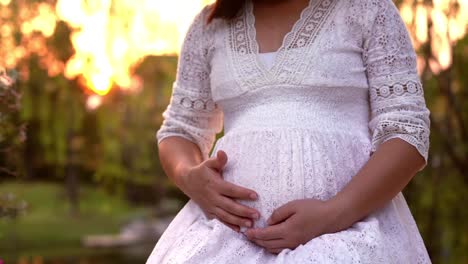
(274, 21)
(322, 49)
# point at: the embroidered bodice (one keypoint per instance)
(350, 61)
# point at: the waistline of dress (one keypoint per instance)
(351, 119)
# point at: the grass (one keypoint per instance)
(47, 223)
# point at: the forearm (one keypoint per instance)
(388, 171)
(176, 155)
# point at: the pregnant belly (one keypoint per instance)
(285, 164)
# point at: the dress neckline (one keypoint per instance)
(252, 31)
(289, 64)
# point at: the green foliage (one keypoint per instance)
(126, 128)
(11, 128)
(113, 145)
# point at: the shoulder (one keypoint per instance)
(380, 11)
(199, 31)
(200, 35)
(200, 21)
(373, 7)
(380, 16)
(201, 18)
(369, 9)
(358, 15)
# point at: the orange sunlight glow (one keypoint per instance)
(111, 37)
(93, 101)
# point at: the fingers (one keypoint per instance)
(233, 227)
(271, 244)
(238, 209)
(267, 233)
(217, 162)
(274, 246)
(236, 191)
(275, 250)
(282, 213)
(225, 187)
(232, 219)
(213, 216)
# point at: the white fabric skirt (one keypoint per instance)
(283, 164)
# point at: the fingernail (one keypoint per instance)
(255, 215)
(247, 223)
(253, 195)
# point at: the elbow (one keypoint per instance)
(197, 140)
(414, 130)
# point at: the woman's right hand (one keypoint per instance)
(205, 185)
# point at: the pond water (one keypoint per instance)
(123, 255)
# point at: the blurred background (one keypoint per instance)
(82, 88)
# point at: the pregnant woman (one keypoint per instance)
(325, 123)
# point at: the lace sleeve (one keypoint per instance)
(398, 107)
(192, 113)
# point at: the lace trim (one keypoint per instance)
(242, 55)
(397, 89)
(292, 69)
(414, 134)
(289, 65)
(308, 30)
(196, 103)
(252, 33)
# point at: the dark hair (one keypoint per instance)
(226, 9)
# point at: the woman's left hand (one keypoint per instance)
(295, 223)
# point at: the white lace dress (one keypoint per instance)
(343, 82)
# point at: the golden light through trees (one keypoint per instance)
(111, 37)
(440, 22)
